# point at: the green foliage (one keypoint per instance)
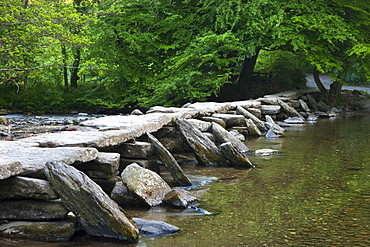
(288, 68)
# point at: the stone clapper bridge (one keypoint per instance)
(107, 163)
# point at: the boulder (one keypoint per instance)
(169, 162)
(223, 135)
(253, 130)
(23, 187)
(206, 151)
(231, 120)
(32, 210)
(136, 149)
(179, 197)
(304, 105)
(106, 163)
(95, 210)
(148, 164)
(216, 120)
(61, 230)
(203, 126)
(123, 196)
(294, 120)
(270, 109)
(232, 153)
(146, 185)
(155, 229)
(260, 125)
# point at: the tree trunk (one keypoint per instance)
(244, 82)
(316, 77)
(335, 89)
(75, 67)
(65, 71)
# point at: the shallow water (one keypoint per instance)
(316, 192)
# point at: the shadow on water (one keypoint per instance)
(316, 193)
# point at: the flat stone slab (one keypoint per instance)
(270, 109)
(16, 161)
(208, 108)
(246, 104)
(106, 132)
(286, 94)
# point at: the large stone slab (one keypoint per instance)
(61, 230)
(206, 151)
(33, 159)
(32, 210)
(94, 209)
(208, 108)
(170, 162)
(23, 187)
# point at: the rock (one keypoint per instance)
(123, 197)
(203, 126)
(39, 230)
(94, 209)
(242, 130)
(270, 109)
(332, 114)
(32, 210)
(223, 135)
(252, 128)
(216, 120)
(208, 108)
(289, 110)
(312, 102)
(105, 163)
(236, 134)
(146, 185)
(136, 149)
(266, 152)
(33, 159)
(173, 142)
(206, 151)
(270, 123)
(323, 107)
(246, 104)
(23, 187)
(311, 116)
(155, 229)
(304, 105)
(232, 153)
(231, 120)
(148, 164)
(294, 120)
(4, 120)
(169, 162)
(260, 125)
(179, 197)
(107, 184)
(3, 112)
(256, 112)
(136, 112)
(271, 133)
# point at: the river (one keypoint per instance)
(316, 192)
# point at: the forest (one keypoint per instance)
(88, 55)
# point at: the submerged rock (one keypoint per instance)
(155, 229)
(94, 209)
(179, 197)
(145, 184)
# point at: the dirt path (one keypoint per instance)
(327, 80)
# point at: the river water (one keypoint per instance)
(316, 192)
